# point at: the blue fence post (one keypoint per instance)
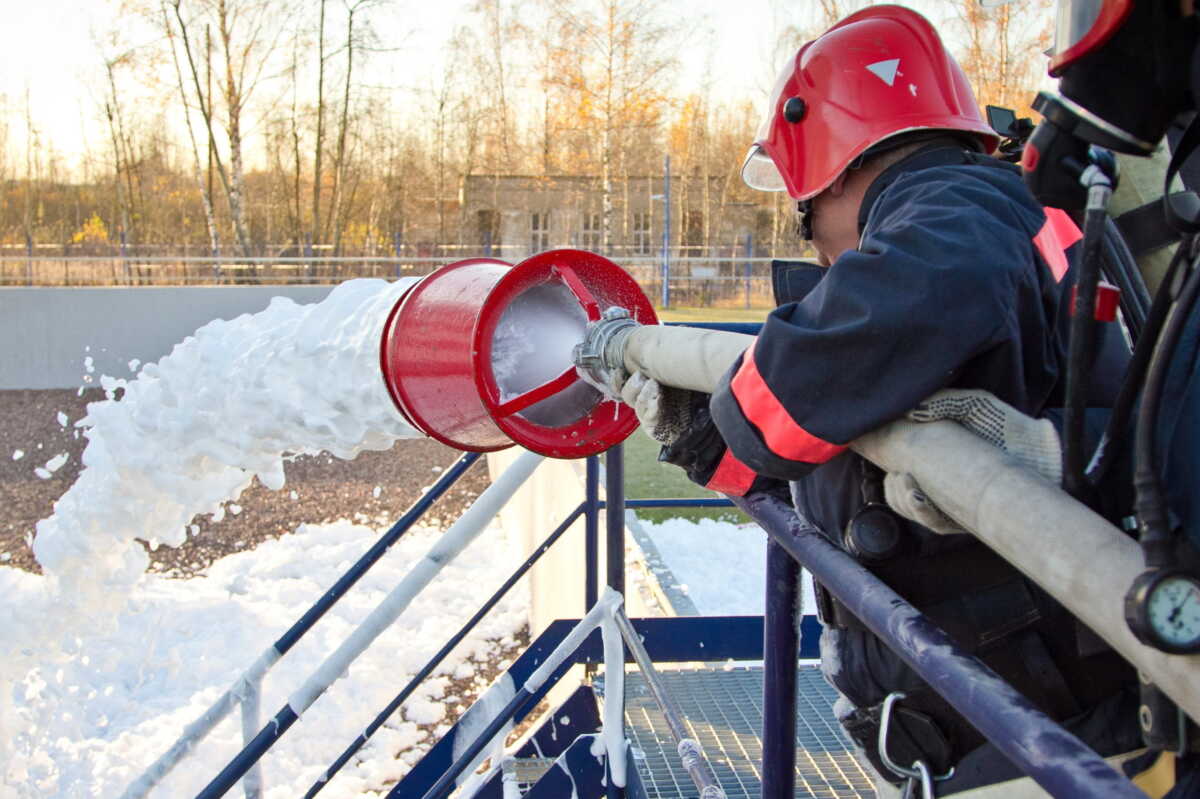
(397, 246)
(781, 643)
(748, 251)
(666, 247)
(28, 258)
(591, 533)
(125, 259)
(308, 253)
(614, 516)
(487, 243)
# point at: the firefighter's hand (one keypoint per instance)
(1033, 443)
(664, 412)
(905, 497)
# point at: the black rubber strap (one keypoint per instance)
(1145, 229)
(1182, 210)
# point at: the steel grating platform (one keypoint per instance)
(723, 711)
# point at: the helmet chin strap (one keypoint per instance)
(805, 208)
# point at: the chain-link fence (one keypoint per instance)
(683, 282)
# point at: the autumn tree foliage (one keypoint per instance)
(258, 126)
(1002, 48)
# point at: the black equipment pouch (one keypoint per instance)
(1009, 624)
(912, 736)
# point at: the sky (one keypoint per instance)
(50, 57)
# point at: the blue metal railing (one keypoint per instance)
(436, 660)
(1037, 745)
(1059, 761)
(246, 692)
(372, 555)
(468, 525)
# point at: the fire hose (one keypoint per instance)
(1033, 524)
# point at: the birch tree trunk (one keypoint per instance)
(205, 196)
(233, 126)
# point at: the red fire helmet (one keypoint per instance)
(879, 72)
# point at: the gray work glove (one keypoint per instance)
(664, 412)
(1033, 443)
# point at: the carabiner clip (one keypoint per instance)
(919, 772)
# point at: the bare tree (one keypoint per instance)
(248, 32)
(1002, 54)
(441, 106)
(32, 169)
(339, 158)
(319, 145)
(214, 241)
(501, 22)
(122, 168)
(611, 60)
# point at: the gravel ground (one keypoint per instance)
(326, 488)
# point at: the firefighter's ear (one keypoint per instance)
(838, 187)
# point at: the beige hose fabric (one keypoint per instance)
(684, 357)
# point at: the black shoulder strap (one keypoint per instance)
(1182, 210)
(1145, 228)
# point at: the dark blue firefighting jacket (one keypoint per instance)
(960, 280)
(955, 283)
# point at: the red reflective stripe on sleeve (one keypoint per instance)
(731, 476)
(1059, 233)
(763, 409)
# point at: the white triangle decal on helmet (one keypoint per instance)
(886, 70)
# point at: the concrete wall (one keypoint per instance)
(556, 582)
(46, 333)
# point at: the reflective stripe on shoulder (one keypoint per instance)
(763, 409)
(1056, 236)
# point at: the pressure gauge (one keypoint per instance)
(1162, 609)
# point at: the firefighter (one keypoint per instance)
(938, 270)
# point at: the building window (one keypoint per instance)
(591, 232)
(641, 233)
(539, 229)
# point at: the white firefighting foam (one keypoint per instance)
(191, 431)
(189, 434)
(534, 342)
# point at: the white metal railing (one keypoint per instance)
(691, 280)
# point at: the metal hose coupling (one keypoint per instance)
(601, 354)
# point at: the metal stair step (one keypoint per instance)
(723, 711)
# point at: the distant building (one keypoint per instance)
(513, 216)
